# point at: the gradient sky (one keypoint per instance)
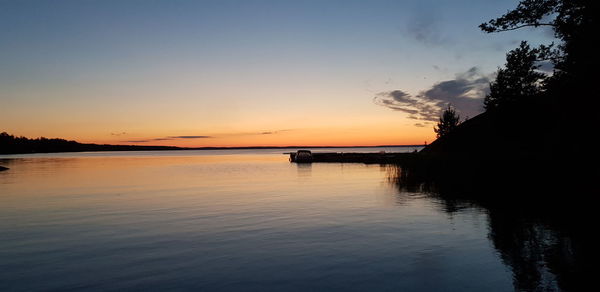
(241, 73)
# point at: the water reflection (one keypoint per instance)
(537, 225)
(257, 222)
(304, 170)
(230, 223)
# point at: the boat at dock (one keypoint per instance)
(307, 156)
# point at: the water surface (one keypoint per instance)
(232, 220)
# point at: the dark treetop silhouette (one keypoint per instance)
(448, 122)
(543, 115)
(519, 79)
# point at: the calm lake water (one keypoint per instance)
(245, 220)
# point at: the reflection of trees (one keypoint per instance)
(538, 235)
(540, 256)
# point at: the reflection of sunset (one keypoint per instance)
(117, 220)
(161, 181)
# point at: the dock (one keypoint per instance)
(305, 156)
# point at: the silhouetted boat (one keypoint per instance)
(301, 156)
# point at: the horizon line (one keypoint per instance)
(293, 146)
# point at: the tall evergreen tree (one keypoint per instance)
(449, 120)
(518, 80)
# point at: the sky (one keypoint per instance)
(246, 73)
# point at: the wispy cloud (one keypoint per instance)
(274, 132)
(138, 141)
(168, 138)
(264, 132)
(188, 137)
(425, 26)
(465, 93)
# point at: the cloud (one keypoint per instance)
(189, 137)
(465, 92)
(425, 26)
(416, 108)
(546, 67)
(137, 141)
(118, 133)
(167, 138)
(266, 132)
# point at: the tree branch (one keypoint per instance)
(524, 25)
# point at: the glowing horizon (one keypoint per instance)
(277, 138)
(247, 73)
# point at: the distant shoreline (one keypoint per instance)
(131, 148)
(10, 144)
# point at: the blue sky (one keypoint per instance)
(156, 68)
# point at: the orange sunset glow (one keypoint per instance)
(298, 145)
(202, 76)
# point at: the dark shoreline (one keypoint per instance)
(10, 144)
(115, 148)
(356, 157)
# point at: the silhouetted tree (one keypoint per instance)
(449, 120)
(571, 93)
(573, 22)
(519, 79)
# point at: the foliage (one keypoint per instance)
(570, 93)
(573, 22)
(519, 79)
(449, 120)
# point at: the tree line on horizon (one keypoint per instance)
(10, 144)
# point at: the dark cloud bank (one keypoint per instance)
(465, 93)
